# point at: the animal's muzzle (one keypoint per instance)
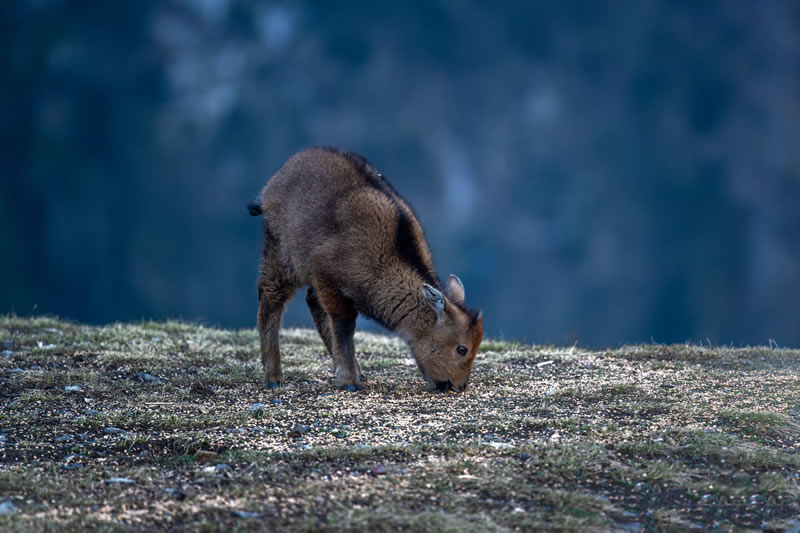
(446, 386)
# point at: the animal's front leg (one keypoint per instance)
(343, 325)
(348, 375)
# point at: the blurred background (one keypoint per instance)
(595, 172)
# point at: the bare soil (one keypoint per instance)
(158, 426)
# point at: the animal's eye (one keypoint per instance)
(462, 350)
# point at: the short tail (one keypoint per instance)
(254, 208)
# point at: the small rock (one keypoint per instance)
(8, 353)
(181, 494)
(205, 456)
(298, 430)
(500, 445)
(113, 431)
(256, 407)
(6, 507)
(245, 514)
(73, 388)
(119, 481)
(147, 378)
(87, 400)
(209, 470)
(792, 526)
(552, 391)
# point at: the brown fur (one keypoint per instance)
(334, 224)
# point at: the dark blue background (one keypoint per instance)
(600, 172)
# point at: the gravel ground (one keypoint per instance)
(168, 426)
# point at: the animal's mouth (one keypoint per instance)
(441, 385)
(444, 386)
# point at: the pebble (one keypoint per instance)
(551, 391)
(147, 378)
(181, 494)
(298, 430)
(120, 481)
(499, 445)
(6, 507)
(73, 388)
(113, 431)
(256, 407)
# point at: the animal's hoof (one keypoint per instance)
(352, 388)
(273, 384)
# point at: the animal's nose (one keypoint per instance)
(444, 386)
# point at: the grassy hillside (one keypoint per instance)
(156, 425)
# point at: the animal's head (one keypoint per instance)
(447, 348)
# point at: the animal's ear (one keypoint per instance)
(435, 299)
(455, 289)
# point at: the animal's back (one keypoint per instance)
(329, 205)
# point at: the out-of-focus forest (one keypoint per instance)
(599, 172)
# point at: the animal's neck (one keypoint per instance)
(406, 312)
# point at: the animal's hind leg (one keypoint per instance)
(274, 289)
(323, 323)
(320, 317)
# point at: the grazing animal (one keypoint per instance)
(333, 223)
